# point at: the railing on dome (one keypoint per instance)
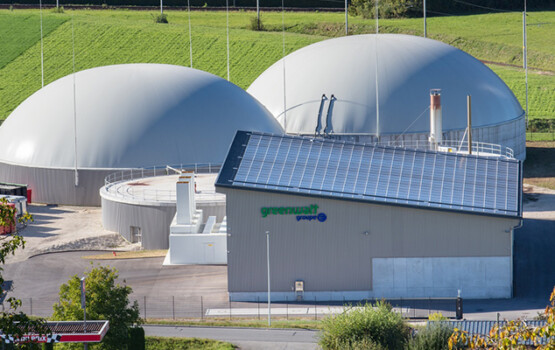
(478, 148)
(114, 183)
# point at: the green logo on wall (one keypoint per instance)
(302, 213)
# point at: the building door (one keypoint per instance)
(209, 252)
(136, 236)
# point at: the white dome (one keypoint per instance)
(408, 67)
(133, 115)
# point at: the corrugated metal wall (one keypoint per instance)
(154, 221)
(57, 186)
(336, 255)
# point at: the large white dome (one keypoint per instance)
(407, 67)
(125, 116)
(133, 115)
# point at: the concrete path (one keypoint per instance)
(244, 338)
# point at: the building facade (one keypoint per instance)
(368, 229)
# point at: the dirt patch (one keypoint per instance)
(115, 255)
(539, 167)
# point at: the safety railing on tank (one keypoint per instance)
(117, 183)
(478, 148)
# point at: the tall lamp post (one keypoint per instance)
(268, 264)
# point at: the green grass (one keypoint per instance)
(277, 322)
(122, 36)
(163, 343)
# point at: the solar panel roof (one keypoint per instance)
(390, 175)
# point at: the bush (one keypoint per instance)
(59, 9)
(434, 337)
(255, 24)
(437, 316)
(136, 338)
(161, 18)
(365, 327)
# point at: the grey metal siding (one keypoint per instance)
(336, 255)
(154, 221)
(57, 186)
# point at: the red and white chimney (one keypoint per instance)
(436, 129)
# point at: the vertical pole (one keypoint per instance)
(230, 309)
(74, 103)
(144, 305)
(161, 8)
(377, 89)
(525, 58)
(268, 263)
(31, 304)
(227, 26)
(346, 19)
(315, 310)
(469, 118)
(377, 17)
(41, 47)
(190, 35)
(258, 306)
(283, 61)
(201, 309)
(258, 14)
(173, 307)
(424, 13)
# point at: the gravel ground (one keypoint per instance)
(64, 228)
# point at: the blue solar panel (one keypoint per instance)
(341, 169)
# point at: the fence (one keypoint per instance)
(204, 308)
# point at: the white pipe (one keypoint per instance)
(377, 91)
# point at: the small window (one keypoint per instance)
(136, 236)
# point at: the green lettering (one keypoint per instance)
(264, 212)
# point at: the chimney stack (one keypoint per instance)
(436, 129)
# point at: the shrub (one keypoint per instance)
(365, 327)
(136, 338)
(434, 337)
(59, 9)
(255, 24)
(437, 316)
(161, 18)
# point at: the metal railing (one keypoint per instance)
(478, 148)
(114, 184)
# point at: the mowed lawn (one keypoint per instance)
(122, 36)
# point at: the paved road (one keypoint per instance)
(245, 338)
(534, 259)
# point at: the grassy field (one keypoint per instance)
(123, 36)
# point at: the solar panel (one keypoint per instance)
(373, 173)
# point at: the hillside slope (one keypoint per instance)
(121, 36)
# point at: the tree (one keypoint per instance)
(12, 322)
(105, 300)
(386, 8)
(511, 335)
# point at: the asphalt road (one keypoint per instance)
(245, 338)
(534, 259)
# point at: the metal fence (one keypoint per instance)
(205, 308)
(115, 182)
